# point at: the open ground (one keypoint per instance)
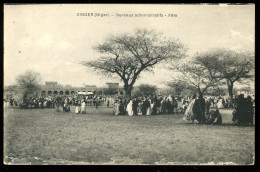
(44, 136)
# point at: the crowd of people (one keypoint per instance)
(151, 105)
(41, 102)
(194, 108)
(52, 101)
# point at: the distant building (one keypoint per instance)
(52, 87)
(112, 85)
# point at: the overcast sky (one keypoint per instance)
(52, 39)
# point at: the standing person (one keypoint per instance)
(240, 112)
(124, 104)
(168, 106)
(207, 106)
(77, 106)
(94, 101)
(149, 105)
(158, 105)
(66, 105)
(116, 107)
(97, 103)
(121, 107)
(189, 115)
(199, 110)
(83, 106)
(163, 105)
(250, 110)
(135, 106)
(140, 105)
(129, 108)
(108, 102)
(154, 105)
(145, 106)
(58, 103)
(220, 104)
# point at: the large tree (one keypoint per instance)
(28, 82)
(234, 66)
(199, 72)
(127, 55)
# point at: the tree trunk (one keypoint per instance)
(128, 94)
(230, 92)
(128, 91)
(200, 93)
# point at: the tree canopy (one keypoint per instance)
(127, 55)
(28, 82)
(233, 66)
(144, 90)
(199, 72)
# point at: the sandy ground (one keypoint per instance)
(44, 136)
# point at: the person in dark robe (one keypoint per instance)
(175, 104)
(135, 105)
(97, 103)
(207, 106)
(158, 105)
(169, 105)
(250, 110)
(58, 103)
(215, 117)
(108, 102)
(121, 108)
(145, 106)
(154, 107)
(199, 110)
(240, 112)
(163, 105)
(124, 104)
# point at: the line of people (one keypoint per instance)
(150, 105)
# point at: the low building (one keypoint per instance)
(52, 87)
(112, 85)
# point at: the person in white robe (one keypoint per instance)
(129, 108)
(188, 115)
(116, 108)
(83, 107)
(149, 108)
(220, 104)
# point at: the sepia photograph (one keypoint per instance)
(129, 84)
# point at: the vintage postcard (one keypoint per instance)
(129, 84)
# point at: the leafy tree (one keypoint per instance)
(234, 67)
(200, 72)
(144, 90)
(127, 55)
(110, 91)
(181, 87)
(28, 82)
(216, 91)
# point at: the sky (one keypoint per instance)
(52, 39)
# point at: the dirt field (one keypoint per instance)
(44, 136)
